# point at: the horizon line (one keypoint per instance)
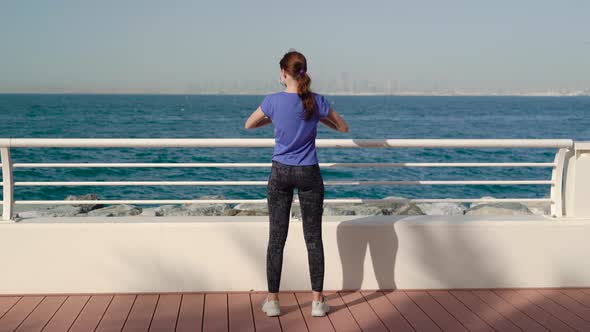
(531, 94)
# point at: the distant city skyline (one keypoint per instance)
(375, 47)
(358, 86)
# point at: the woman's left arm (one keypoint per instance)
(257, 119)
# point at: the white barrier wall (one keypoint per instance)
(162, 254)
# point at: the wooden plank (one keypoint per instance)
(215, 313)
(484, 311)
(555, 309)
(41, 314)
(190, 316)
(261, 321)
(166, 313)
(314, 324)
(116, 314)
(509, 311)
(387, 312)
(67, 313)
(454, 310)
(413, 314)
(18, 312)
(141, 313)
(435, 311)
(362, 312)
(240, 312)
(567, 302)
(291, 317)
(578, 295)
(6, 302)
(340, 317)
(532, 310)
(91, 314)
(470, 320)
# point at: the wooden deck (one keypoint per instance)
(435, 310)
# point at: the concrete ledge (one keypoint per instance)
(162, 254)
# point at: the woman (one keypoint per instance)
(295, 113)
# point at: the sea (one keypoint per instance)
(223, 116)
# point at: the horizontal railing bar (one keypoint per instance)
(263, 183)
(270, 142)
(232, 201)
(41, 165)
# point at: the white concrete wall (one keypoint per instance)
(160, 254)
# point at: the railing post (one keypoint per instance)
(7, 185)
(577, 181)
(557, 177)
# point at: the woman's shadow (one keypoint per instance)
(377, 233)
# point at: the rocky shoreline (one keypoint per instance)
(260, 209)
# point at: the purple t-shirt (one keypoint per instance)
(294, 136)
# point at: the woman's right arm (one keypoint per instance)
(335, 121)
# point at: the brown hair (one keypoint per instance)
(295, 64)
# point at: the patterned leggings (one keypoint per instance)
(310, 189)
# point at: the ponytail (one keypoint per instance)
(304, 92)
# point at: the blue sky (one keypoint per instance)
(171, 46)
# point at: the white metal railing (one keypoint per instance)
(564, 147)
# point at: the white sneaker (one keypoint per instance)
(271, 308)
(319, 308)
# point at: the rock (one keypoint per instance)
(36, 207)
(410, 209)
(250, 213)
(234, 212)
(257, 207)
(332, 209)
(209, 209)
(498, 208)
(85, 207)
(58, 210)
(474, 204)
(338, 209)
(51, 211)
(401, 206)
(368, 210)
(442, 208)
(540, 208)
(296, 211)
(400, 199)
(173, 210)
(196, 209)
(151, 212)
(119, 210)
(27, 214)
